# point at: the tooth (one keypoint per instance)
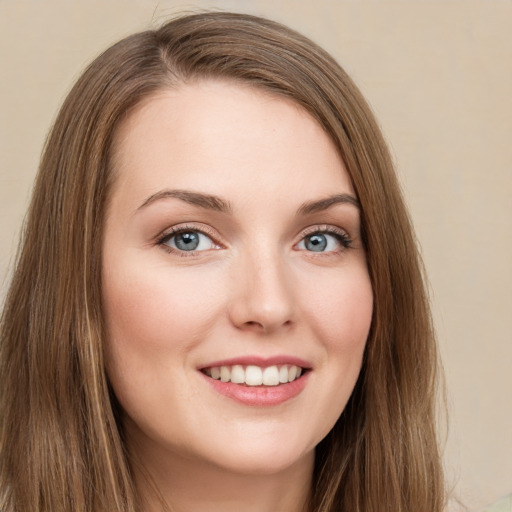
(215, 371)
(253, 376)
(271, 376)
(237, 374)
(299, 371)
(225, 374)
(283, 374)
(292, 373)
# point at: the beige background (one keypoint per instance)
(439, 76)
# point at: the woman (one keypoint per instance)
(218, 303)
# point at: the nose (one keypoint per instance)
(263, 295)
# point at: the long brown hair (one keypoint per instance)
(61, 442)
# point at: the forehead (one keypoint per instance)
(225, 138)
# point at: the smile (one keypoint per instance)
(252, 375)
(258, 381)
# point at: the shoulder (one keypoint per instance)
(503, 505)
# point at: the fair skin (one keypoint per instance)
(232, 239)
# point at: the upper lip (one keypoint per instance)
(260, 361)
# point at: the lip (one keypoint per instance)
(259, 396)
(263, 362)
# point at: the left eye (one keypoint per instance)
(189, 241)
(320, 242)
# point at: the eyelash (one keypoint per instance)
(176, 230)
(340, 235)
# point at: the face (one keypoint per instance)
(235, 287)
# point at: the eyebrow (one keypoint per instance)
(207, 201)
(212, 202)
(324, 204)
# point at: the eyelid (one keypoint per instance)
(204, 229)
(324, 228)
(343, 236)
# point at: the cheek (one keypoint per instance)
(155, 310)
(340, 313)
(155, 317)
(340, 308)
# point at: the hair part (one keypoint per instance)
(61, 438)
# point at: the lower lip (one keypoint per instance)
(259, 396)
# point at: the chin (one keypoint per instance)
(263, 463)
(264, 455)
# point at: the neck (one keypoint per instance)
(188, 485)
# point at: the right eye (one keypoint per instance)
(188, 240)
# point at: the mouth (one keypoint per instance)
(258, 381)
(255, 376)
